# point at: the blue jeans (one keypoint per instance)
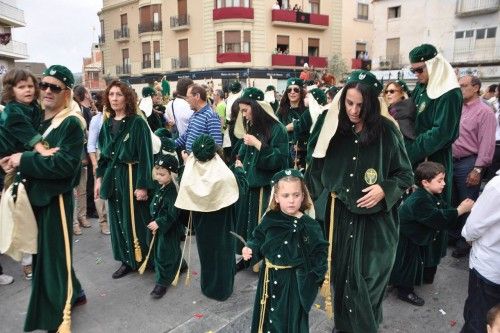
(461, 169)
(483, 295)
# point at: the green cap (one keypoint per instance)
(61, 73)
(148, 91)
(422, 53)
(333, 89)
(270, 88)
(235, 87)
(168, 162)
(253, 93)
(319, 95)
(204, 148)
(167, 144)
(286, 173)
(365, 77)
(403, 86)
(294, 81)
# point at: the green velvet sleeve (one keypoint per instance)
(103, 161)
(21, 126)
(167, 217)
(444, 128)
(255, 243)
(302, 125)
(274, 156)
(142, 137)
(426, 213)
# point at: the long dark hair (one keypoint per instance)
(130, 98)
(262, 123)
(284, 107)
(370, 113)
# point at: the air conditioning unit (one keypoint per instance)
(385, 64)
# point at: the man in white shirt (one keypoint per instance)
(178, 111)
(482, 230)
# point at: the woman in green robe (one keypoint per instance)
(359, 172)
(126, 154)
(264, 151)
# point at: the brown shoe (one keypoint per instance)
(105, 228)
(85, 223)
(76, 230)
(28, 272)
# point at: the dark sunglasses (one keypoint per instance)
(391, 91)
(295, 90)
(53, 87)
(418, 70)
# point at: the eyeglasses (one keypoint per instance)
(53, 87)
(418, 70)
(391, 91)
(295, 90)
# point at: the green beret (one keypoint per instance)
(422, 53)
(235, 87)
(167, 144)
(148, 92)
(168, 162)
(270, 88)
(204, 148)
(286, 173)
(61, 73)
(294, 81)
(253, 93)
(334, 90)
(319, 95)
(403, 86)
(365, 77)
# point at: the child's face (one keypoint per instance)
(289, 196)
(163, 176)
(496, 326)
(24, 91)
(436, 185)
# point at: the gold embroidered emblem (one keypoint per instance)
(371, 176)
(421, 107)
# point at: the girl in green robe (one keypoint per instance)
(126, 154)
(294, 251)
(358, 173)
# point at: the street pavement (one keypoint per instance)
(125, 305)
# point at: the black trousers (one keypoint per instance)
(483, 295)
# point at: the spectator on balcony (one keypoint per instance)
(438, 100)
(178, 112)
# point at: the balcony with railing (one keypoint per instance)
(477, 55)
(149, 27)
(123, 70)
(365, 64)
(234, 57)
(14, 50)
(157, 63)
(226, 13)
(122, 34)
(476, 7)
(298, 61)
(11, 16)
(101, 39)
(146, 64)
(290, 18)
(181, 63)
(180, 22)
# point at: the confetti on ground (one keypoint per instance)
(317, 306)
(453, 323)
(98, 260)
(194, 273)
(103, 294)
(194, 302)
(442, 312)
(198, 315)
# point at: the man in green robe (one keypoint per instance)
(49, 181)
(438, 100)
(358, 173)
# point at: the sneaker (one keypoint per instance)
(105, 228)
(76, 230)
(85, 223)
(6, 279)
(28, 272)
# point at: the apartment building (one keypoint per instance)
(223, 40)
(11, 17)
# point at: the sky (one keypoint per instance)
(59, 31)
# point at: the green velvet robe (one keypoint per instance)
(131, 144)
(364, 240)
(19, 127)
(240, 223)
(260, 167)
(167, 247)
(288, 241)
(423, 216)
(293, 115)
(47, 178)
(436, 128)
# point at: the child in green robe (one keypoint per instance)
(423, 215)
(165, 225)
(294, 251)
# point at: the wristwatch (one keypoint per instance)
(478, 170)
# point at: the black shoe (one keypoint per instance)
(122, 271)
(184, 267)
(240, 266)
(461, 251)
(80, 300)
(158, 291)
(412, 298)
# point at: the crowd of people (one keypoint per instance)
(346, 191)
